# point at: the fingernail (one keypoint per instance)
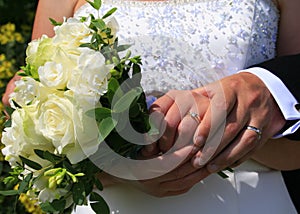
(213, 167)
(197, 162)
(199, 141)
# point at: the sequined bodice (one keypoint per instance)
(187, 43)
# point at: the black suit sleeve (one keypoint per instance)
(287, 68)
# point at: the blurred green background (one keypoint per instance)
(16, 20)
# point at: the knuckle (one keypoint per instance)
(232, 127)
(250, 140)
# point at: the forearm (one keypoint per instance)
(280, 154)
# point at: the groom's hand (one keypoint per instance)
(236, 102)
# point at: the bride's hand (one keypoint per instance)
(237, 101)
(177, 115)
(177, 181)
(9, 89)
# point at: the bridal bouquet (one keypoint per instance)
(62, 111)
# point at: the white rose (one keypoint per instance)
(72, 133)
(56, 121)
(70, 33)
(45, 50)
(54, 75)
(21, 138)
(32, 47)
(90, 81)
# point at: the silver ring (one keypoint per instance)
(256, 130)
(195, 116)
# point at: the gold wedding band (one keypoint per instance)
(256, 130)
(195, 116)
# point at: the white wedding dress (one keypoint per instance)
(185, 44)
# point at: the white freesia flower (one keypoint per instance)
(112, 23)
(90, 81)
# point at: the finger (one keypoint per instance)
(163, 164)
(240, 149)
(211, 128)
(184, 184)
(235, 122)
(157, 114)
(175, 114)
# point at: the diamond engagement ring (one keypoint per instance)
(195, 116)
(256, 130)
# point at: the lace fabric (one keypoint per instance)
(187, 43)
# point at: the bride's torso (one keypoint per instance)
(195, 40)
(184, 44)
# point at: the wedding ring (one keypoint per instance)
(195, 116)
(256, 130)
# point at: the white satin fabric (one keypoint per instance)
(185, 44)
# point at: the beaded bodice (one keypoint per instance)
(187, 43)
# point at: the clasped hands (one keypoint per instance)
(206, 128)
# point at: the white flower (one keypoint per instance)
(48, 195)
(54, 75)
(40, 52)
(70, 33)
(90, 81)
(25, 92)
(56, 121)
(112, 23)
(71, 132)
(21, 138)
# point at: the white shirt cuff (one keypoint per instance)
(284, 98)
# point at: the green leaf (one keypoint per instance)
(98, 184)
(99, 113)
(123, 47)
(96, 4)
(54, 22)
(99, 23)
(9, 110)
(106, 126)
(56, 205)
(31, 163)
(111, 11)
(78, 193)
(9, 192)
(98, 204)
(24, 185)
(124, 102)
(69, 167)
(46, 155)
(113, 84)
